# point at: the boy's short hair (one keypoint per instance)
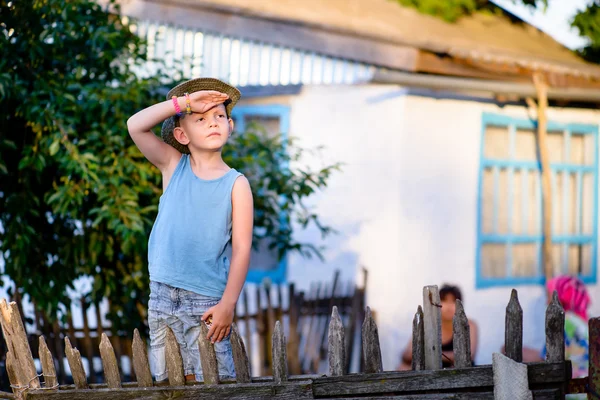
(191, 86)
(450, 290)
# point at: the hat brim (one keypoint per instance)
(192, 86)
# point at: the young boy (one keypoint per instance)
(206, 210)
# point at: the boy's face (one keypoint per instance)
(205, 131)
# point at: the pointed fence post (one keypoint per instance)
(77, 371)
(240, 358)
(141, 366)
(555, 330)
(280, 370)
(461, 337)
(109, 363)
(513, 330)
(174, 360)
(432, 324)
(337, 345)
(418, 341)
(208, 357)
(48, 369)
(16, 342)
(370, 343)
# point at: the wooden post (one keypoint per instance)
(280, 371)
(354, 309)
(332, 300)
(77, 371)
(208, 357)
(294, 339)
(48, 369)
(140, 361)
(240, 358)
(87, 340)
(261, 329)
(461, 337)
(594, 366)
(513, 329)
(16, 342)
(109, 363)
(60, 355)
(542, 137)
(248, 332)
(15, 378)
(555, 331)
(370, 345)
(270, 322)
(173, 360)
(418, 341)
(337, 345)
(432, 325)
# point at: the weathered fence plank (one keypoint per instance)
(173, 360)
(461, 337)
(208, 357)
(16, 341)
(594, 366)
(15, 377)
(370, 344)
(48, 369)
(77, 371)
(109, 363)
(244, 391)
(337, 345)
(476, 378)
(140, 361)
(513, 330)
(551, 394)
(418, 341)
(432, 325)
(294, 339)
(240, 358)
(280, 371)
(555, 330)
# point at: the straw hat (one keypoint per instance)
(192, 86)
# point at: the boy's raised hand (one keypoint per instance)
(204, 100)
(222, 318)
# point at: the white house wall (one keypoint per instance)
(405, 204)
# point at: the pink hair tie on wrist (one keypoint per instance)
(176, 104)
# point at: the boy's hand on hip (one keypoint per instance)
(222, 318)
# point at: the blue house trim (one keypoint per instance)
(278, 275)
(510, 164)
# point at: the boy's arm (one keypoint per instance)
(140, 129)
(242, 216)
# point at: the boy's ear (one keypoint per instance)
(231, 125)
(180, 136)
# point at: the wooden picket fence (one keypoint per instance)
(305, 316)
(427, 380)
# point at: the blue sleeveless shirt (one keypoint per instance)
(192, 232)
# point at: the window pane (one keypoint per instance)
(525, 145)
(572, 206)
(581, 149)
(586, 259)
(534, 212)
(587, 208)
(557, 258)
(493, 260)
(557, 202)
(502, 201)
(496, 142)
(525, 259)
(556, 147)
(487, 200)
(271, 125)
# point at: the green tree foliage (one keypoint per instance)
(452, 10)
(77, 198)
(587, 22)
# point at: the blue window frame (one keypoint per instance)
(280, 115)
(509, 215)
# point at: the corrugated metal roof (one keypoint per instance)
(483, 36)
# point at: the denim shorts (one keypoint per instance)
(181, 310)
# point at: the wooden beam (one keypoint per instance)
(446, 65)
(301, 36)
(541, 107)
